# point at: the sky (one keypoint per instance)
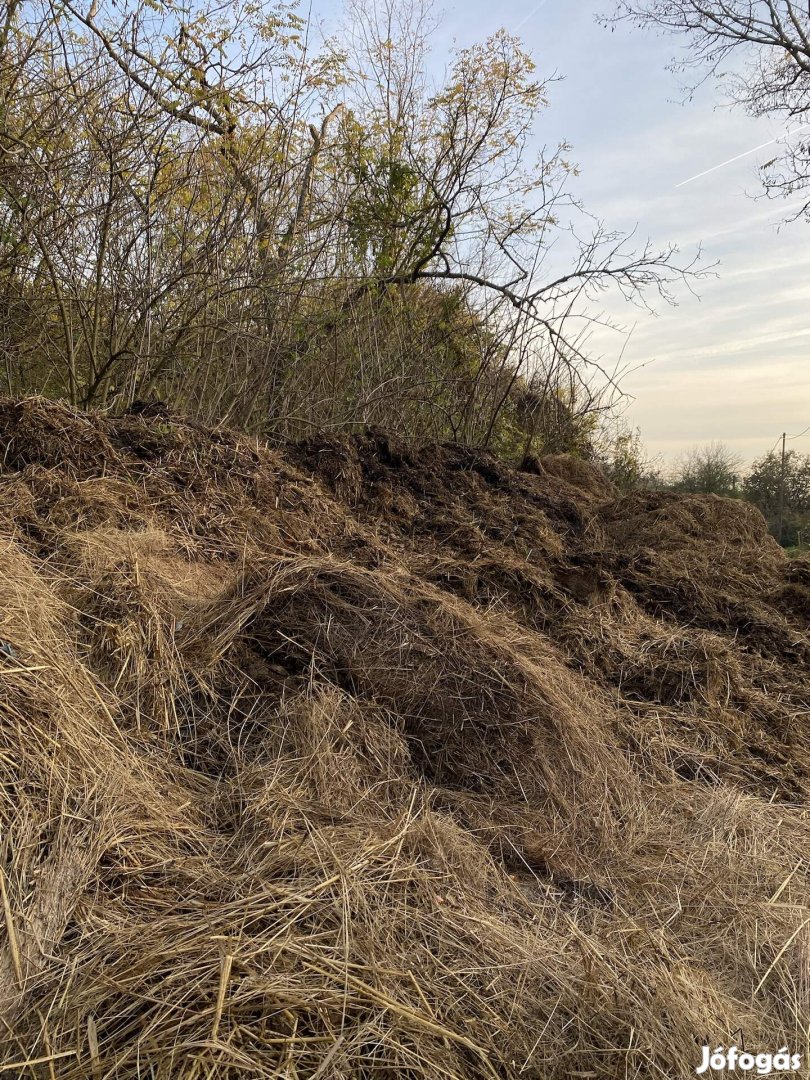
(730, 364)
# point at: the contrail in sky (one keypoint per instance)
(531, 15)
(745, 153)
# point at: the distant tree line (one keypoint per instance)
(780, 489)
(770, 485)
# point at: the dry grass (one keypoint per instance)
(424, 768)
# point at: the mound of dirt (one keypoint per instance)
(365, 760)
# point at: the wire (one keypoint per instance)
(787, 438)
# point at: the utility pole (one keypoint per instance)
(782, 487)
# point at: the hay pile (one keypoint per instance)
(363, 762)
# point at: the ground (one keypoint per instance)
(355, 759)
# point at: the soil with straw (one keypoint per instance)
(366, 761)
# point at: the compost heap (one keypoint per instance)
(362, 761)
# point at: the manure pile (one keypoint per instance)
(357, 761)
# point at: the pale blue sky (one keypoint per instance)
(732, 365)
